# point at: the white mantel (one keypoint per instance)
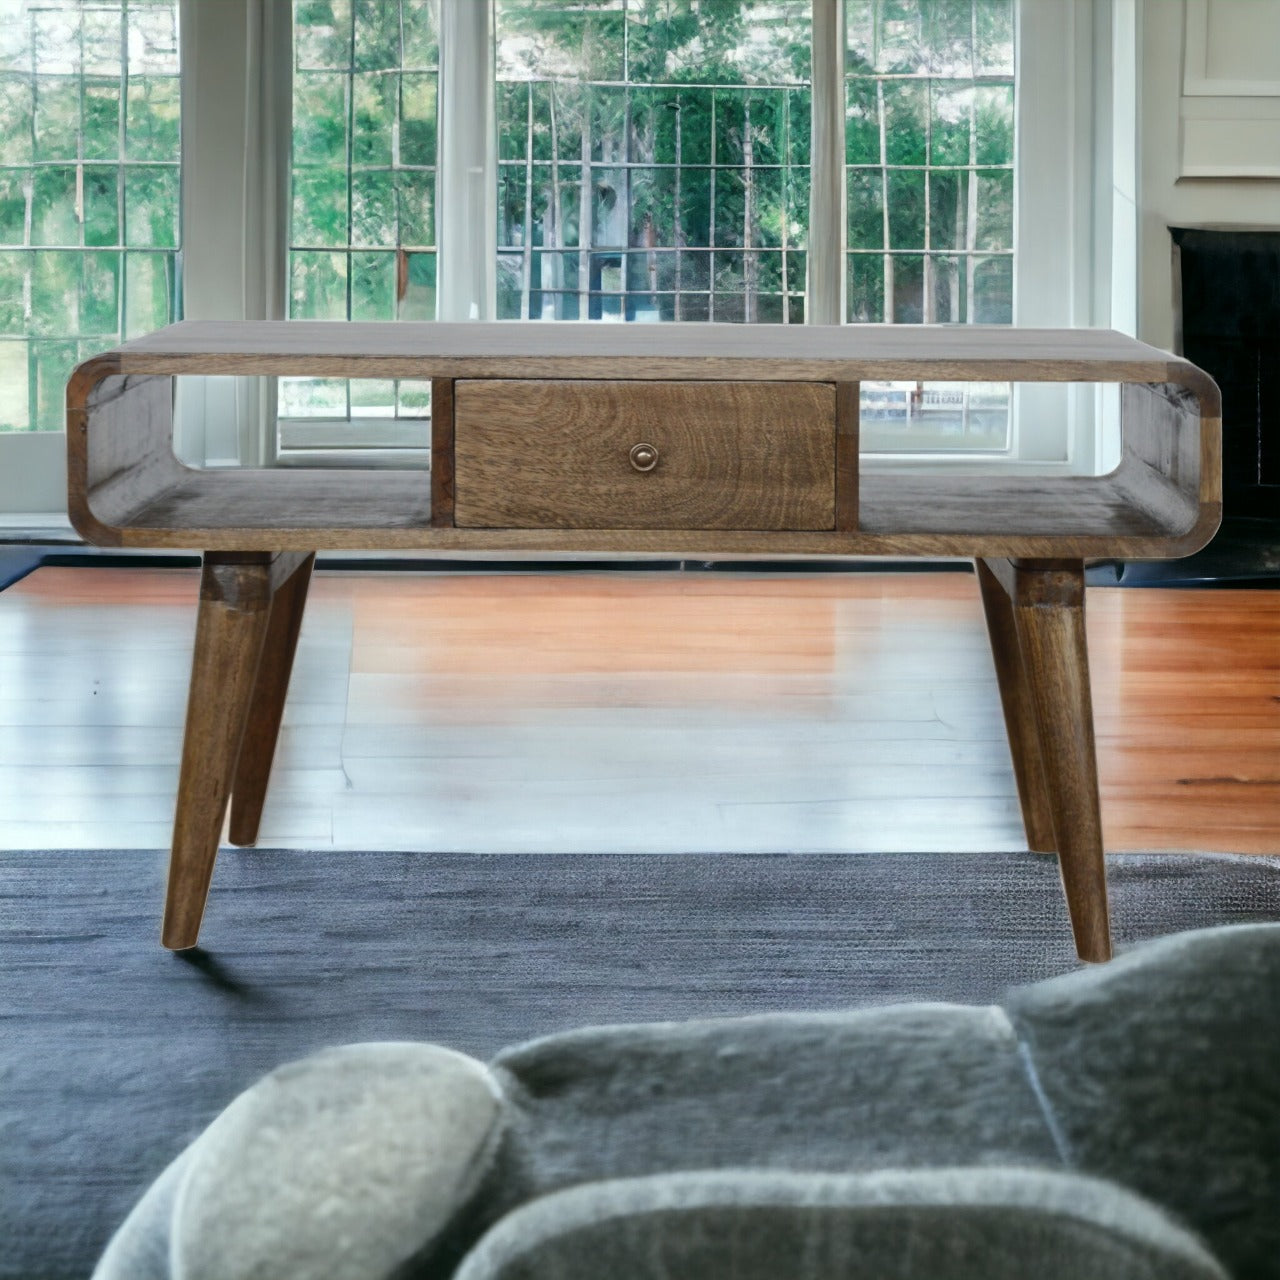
(1208, 132)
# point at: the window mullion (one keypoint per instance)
(826, 288)
(236, 89)
(467, 173)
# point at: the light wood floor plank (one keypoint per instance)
(650, 711)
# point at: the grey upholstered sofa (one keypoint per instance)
(1121, 1121)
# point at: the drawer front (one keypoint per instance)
(644, 455)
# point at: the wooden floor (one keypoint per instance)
(636, 712)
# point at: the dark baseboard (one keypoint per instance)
(1244, 554)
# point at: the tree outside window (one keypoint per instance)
(89, 189)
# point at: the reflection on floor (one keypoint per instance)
(636, 712)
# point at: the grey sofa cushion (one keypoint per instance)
(962, 1224)
(1163, 1071)
(906, 1086)
(339, 1167)
(1157, 1071)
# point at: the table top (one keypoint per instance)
(592, 349)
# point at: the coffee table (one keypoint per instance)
(707, 441)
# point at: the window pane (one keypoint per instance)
(313, 398)
(14, 187)
(373, 398)
(149, 291)
(864, 207)
(321, 34)
(151, 127)
(690, 125)
(100, 298)
(373, 286)
(906, 209)
(54, 220)
(67, 207)
(320, 118)
(416, 286)
(362, 234)
(866, 288)
(151, 206)
(898, 417)
(318, 286)
(929, 120)
(100, 131)
(373, 208)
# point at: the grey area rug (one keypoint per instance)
(115, 1053)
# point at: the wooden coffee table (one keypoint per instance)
(710, 441)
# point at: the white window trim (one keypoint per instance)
(237, 90)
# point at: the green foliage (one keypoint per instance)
(418, 119)
(373, 99)
(152, 205)
(319, 207)
(373, 209)
(373, 286)
(57, 117)
(320, 119)
(151, 126)
(17, 115)
(322, 34)
(68, 286)
(13, 205)
(705, 143)
(53, 201)
(100, 125)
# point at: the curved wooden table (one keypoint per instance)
(706, 441)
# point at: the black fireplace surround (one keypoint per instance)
(1227, 316)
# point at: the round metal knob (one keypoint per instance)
(644, 457)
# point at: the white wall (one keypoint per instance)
(1209, 114)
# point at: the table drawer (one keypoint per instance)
(553, 454)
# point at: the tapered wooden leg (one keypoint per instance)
(235, 598)
(266, 707)
(1048, 608)
(1019, 714)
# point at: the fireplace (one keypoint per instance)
(1229, 322)
(1227, 296)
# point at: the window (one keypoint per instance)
(362, 239)
(653, 160)
(929, 147)
(89, 189)
(930, 159)
(653, 163)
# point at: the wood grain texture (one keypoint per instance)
(442, 473)
(127, 457)
(515, 349)
(1019, 711)
(899, 515)
(231, 625)
(848, 422)
(266, 706)
(730, 455)
(143, 498)
(1048, 609)
(84, 379)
